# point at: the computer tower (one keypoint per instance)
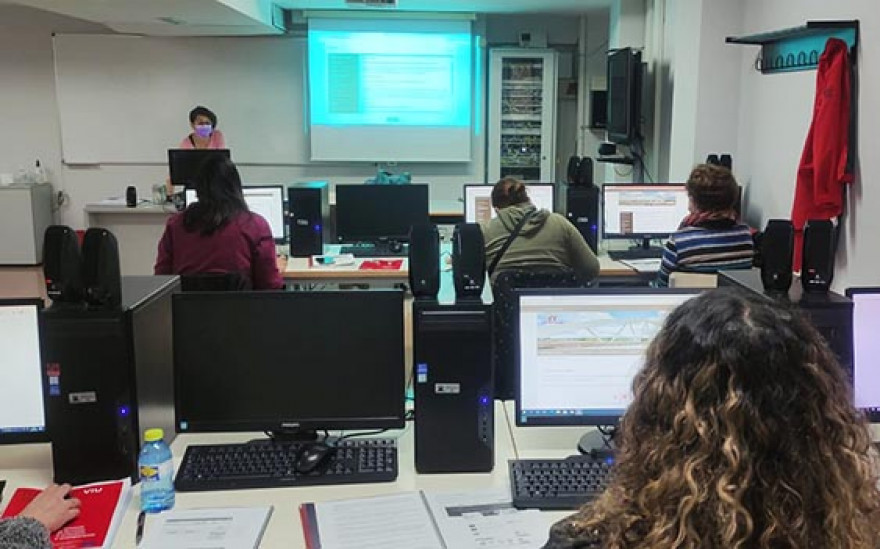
(109, 378)
(830, 313)
(582, 209)
(817, 269)
(308, 208)
(454, 408)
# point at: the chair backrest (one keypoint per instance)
(681, 279)
(503, 305)
(214, 282)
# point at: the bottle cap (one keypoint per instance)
(152, 435)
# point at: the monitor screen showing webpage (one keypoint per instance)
(579, 350)
(643, 211)
(22, 414)
(866, 349)
(478, 200)
(266, 200)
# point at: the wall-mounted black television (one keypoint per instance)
(624, 95)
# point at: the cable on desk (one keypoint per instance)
(360, 434)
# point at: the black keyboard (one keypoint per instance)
(564, 483)
(636, 253)
(267, 464)
(374, 250)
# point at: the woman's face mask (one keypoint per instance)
(204, 130)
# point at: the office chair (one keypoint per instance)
(503, 307)
(214, 282)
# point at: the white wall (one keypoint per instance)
(775, 112)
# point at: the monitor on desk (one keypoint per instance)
(22, 410)
(280, 361)
(578, 350)
(184, 165)
(478, 200)
(374, 213)
(266, 200)
(643, 211)
(866, 349)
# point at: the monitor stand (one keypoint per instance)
(646, 247)
(599, 440)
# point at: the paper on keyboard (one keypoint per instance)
(649, 265)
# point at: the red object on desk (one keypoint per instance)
(381, 265)
(103, 505)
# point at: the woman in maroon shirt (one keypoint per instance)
(218, 234)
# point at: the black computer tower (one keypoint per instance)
(308, 208)
(109, 378)
(452, 376)
(830, 313)
(582, 209)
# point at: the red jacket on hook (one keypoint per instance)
(823, 168)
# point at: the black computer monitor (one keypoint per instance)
(866, 349)
(478, 200)
(266, 200)
(373, 213)
(579, 349)
(184, 165)
(25, 379)
(635, 211)
(288, 361)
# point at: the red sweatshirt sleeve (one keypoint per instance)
(164, 258)
(264, 268)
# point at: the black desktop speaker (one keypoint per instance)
(454, 409)
(62, 265)
(571, 171)
(582, 210)
(424, 266)
(817, 268)
(110, 377)
(777, 249)
(131, 196)
(101, 276)
(309, 211)
(468, 261)
(585, 172)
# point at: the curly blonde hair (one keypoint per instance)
(741, 434)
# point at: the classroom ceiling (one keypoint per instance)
(244, 17)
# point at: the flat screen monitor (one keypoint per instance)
(866, 349)
(624, 77)
(478, 200)
(184, 165)
(372, 213)
(266, 200)
(643, 211)
(580, 349)
(288, 361)
(22, 410)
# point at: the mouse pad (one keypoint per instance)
(381, 265)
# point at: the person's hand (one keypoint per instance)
(52, 507)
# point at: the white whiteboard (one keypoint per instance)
(126, 99)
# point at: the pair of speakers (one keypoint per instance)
(777, 251)
(89, 275)
(720, 160)
(580, 171)
(468, 261)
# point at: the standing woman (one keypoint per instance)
(205, 134)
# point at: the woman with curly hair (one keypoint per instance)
(741, 434)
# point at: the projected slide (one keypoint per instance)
(395, 90)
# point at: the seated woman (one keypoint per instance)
(45, 514)
(710, 238)
(205, 134)
(218, 234)
(546, 240)
(741, 433)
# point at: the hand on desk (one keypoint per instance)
(281, 262)
(52, 507)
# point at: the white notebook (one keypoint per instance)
(210, 527)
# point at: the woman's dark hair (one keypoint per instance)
(712, 188)
(741, 433)
(509, 191)
(218, 187)
(203, 111)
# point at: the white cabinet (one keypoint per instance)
(522, 114)
(25, 212)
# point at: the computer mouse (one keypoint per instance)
(313, 457)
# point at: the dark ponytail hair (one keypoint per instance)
(509, 191)
(218, 187)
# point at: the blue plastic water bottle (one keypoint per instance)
(156, 472)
